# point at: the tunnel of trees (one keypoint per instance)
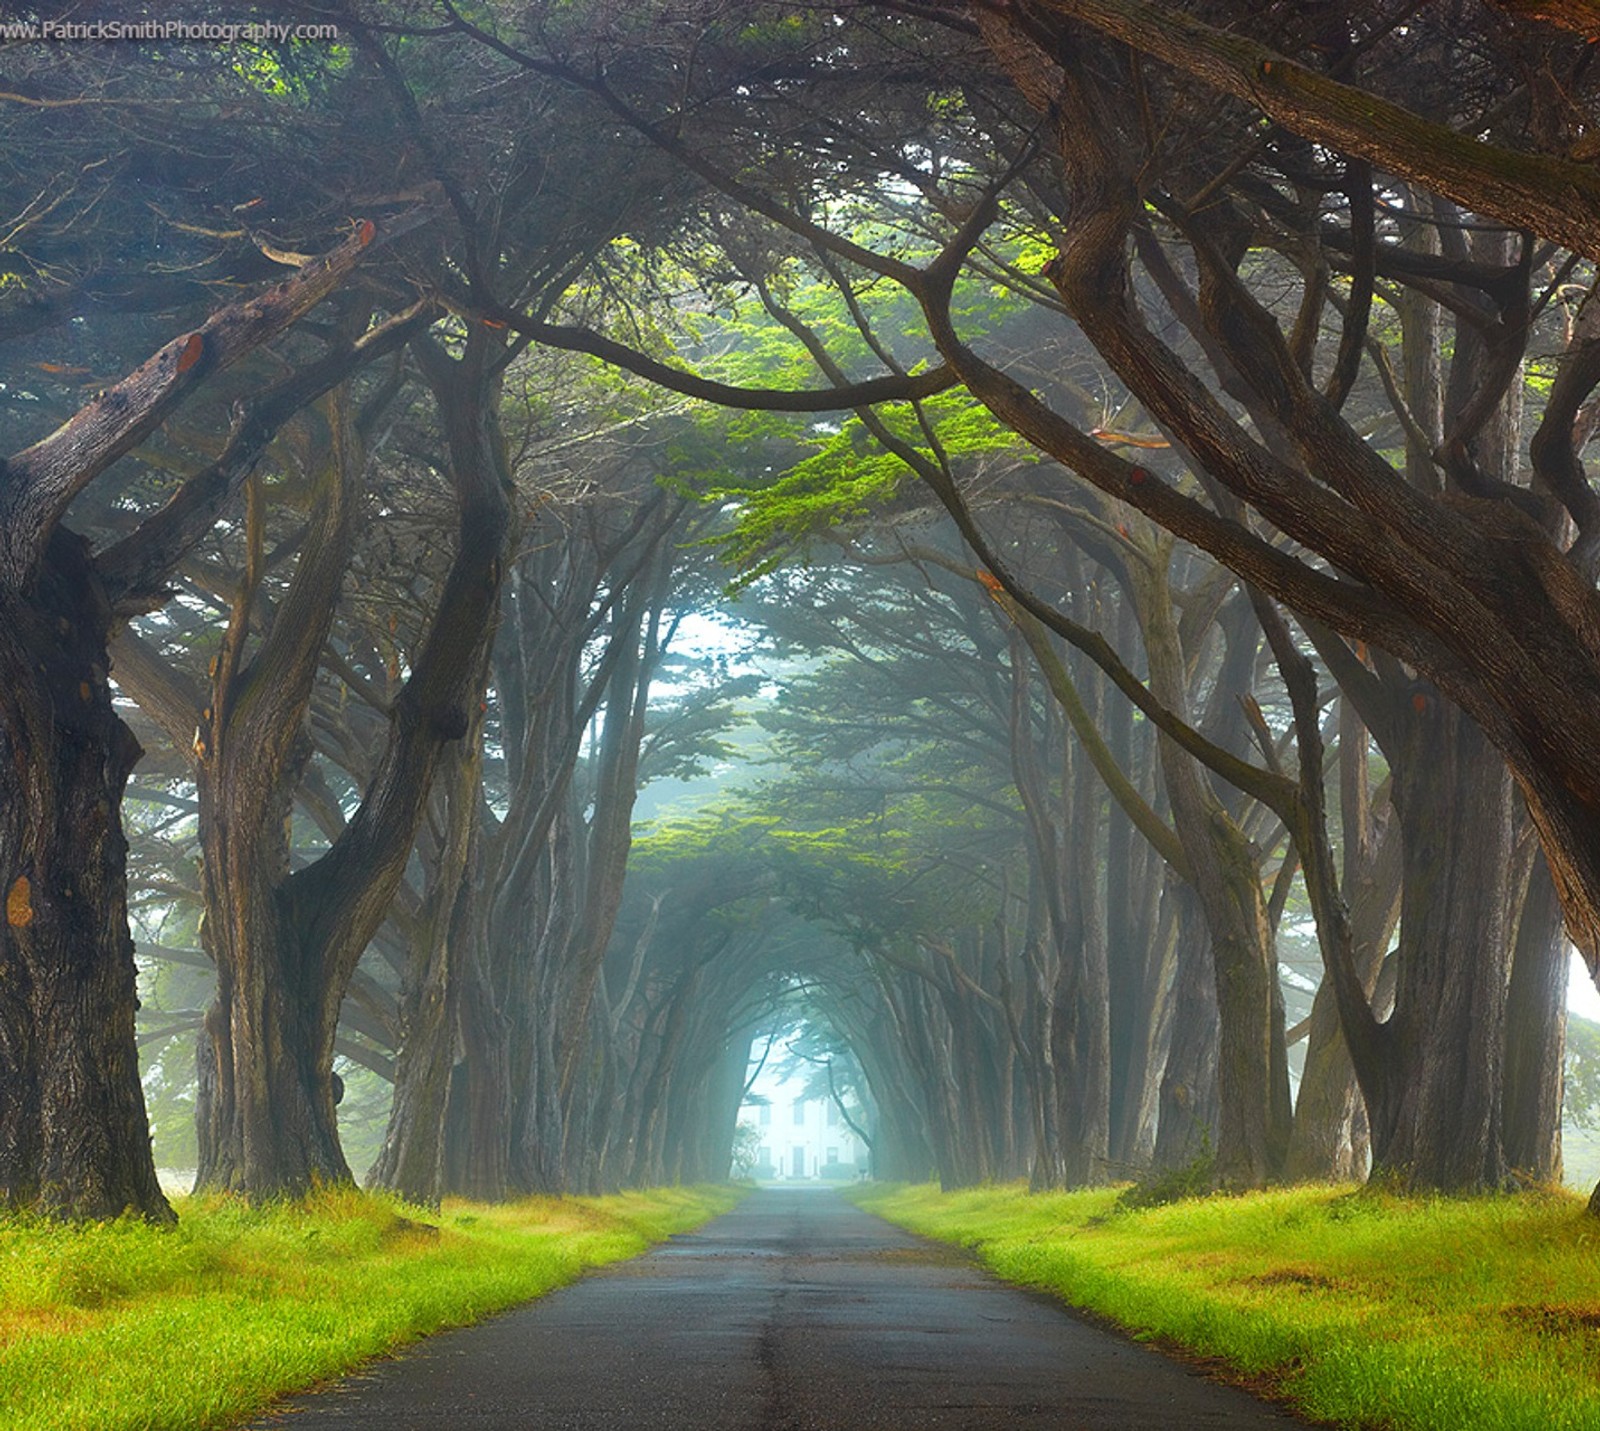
(1044, 542)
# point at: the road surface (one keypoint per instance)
(793, 1312)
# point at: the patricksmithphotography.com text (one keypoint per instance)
(215, 32)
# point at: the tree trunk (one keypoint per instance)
(477, 1151)
(1145, 995)
(273, 1126)
(901, 1148)
(269, 1125)
(411, 1162)
(1081, 1030)
(74, 1140)
(1536, 1022)
(1252, 1079)
(1324, 1144)
(1130, 948)
(1436, 1119)
(1322, 1147)
(720, 1116)
(654, 1102)
(287, 943)
(1186, 1126)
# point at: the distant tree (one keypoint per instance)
(746, 1151)
(1583, 1073)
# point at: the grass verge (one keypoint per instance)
(1363, 1309)
(120, 1327)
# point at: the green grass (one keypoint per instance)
(119, 1327)
(1362, 1308)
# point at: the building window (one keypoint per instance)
(799, 1112)
(764, 1118)
(833, 1115)
(833, 1155)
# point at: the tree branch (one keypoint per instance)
(38, 484)
(893, 387)
(135, 568)
(1557, 198)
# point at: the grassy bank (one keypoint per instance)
(1364, 1309)
(120, 1326)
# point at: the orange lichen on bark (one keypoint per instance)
(19, 903)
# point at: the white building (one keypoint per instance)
(801, 1138)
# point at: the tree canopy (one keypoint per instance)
(1054, 507)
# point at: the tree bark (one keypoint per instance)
(1186, 1125)
(1323, 1146)
(411, 1162)
(1252, 1085)
(1536, 1021)
(1436, 1121)
(74, 1141)
(1556, 197)
(287, 944)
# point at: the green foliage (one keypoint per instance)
(746, 1151)
(120, 1326)
(297, 71)
(1582, 1090)
(1363, 1309)
(782, 481)
(1196, 1178)
(848, 479)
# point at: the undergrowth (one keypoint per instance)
(1192, 1179)
(1364, 1309)
(118, 1326)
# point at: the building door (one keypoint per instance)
(799, 1160)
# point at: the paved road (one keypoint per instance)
(793, 1312)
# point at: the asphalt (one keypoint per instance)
(793, 1312)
